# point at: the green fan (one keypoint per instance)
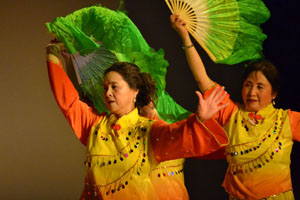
(97, 37)
(89, 70)
(228, 30)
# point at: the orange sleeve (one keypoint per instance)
(155, 117)
(217, 155)
(295, 124)
(186, 138)
(79, 115)
(223, 115)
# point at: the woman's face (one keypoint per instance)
(118, 96)
(257, 92)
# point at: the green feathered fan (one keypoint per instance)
(97, 37)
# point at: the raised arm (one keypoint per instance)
(79, 115)
(192, 56)
(197, 136)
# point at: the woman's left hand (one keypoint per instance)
(149, 111)
(55, 47)
(208, 107)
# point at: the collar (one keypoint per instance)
(261, 114)
(124, 122)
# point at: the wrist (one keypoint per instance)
(185, 47)
(187, 43)
(199, 119)
(52, 58)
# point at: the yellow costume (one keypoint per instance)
(118, 160)
(124, 156)
(259, 151)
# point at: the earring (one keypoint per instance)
(134, 100)
(273, 102)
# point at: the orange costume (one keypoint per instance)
(258, 153)
(124, 156)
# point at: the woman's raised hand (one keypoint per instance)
(178, 25)
(54, 49)
(208, 107)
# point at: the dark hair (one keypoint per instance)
(136, 80)
(268, 70)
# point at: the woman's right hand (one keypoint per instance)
(178, 25)
(193, 58)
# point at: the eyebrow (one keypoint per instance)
(113, 82)
(258, 83)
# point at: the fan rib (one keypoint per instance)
(176, 6)
(185, 6)
(204, 47)
(170, 7)
(76, 71)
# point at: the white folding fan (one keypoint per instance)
(228, 30)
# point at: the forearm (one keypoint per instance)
(186, 138)
(79, 115)
(196, 65)
(53, 58)
(192, 56)
(62, 88)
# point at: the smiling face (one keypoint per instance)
(257, 92)
(118, 96)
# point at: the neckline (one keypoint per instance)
(263, 112)
(127, 120)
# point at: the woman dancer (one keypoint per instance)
(123, 147)
(260, 136)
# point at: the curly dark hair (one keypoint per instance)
(136, 80)
(268, 70)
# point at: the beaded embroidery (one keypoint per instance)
(272, 135)
(167, 170)
(132, 142)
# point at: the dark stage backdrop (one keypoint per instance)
(40, 156)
